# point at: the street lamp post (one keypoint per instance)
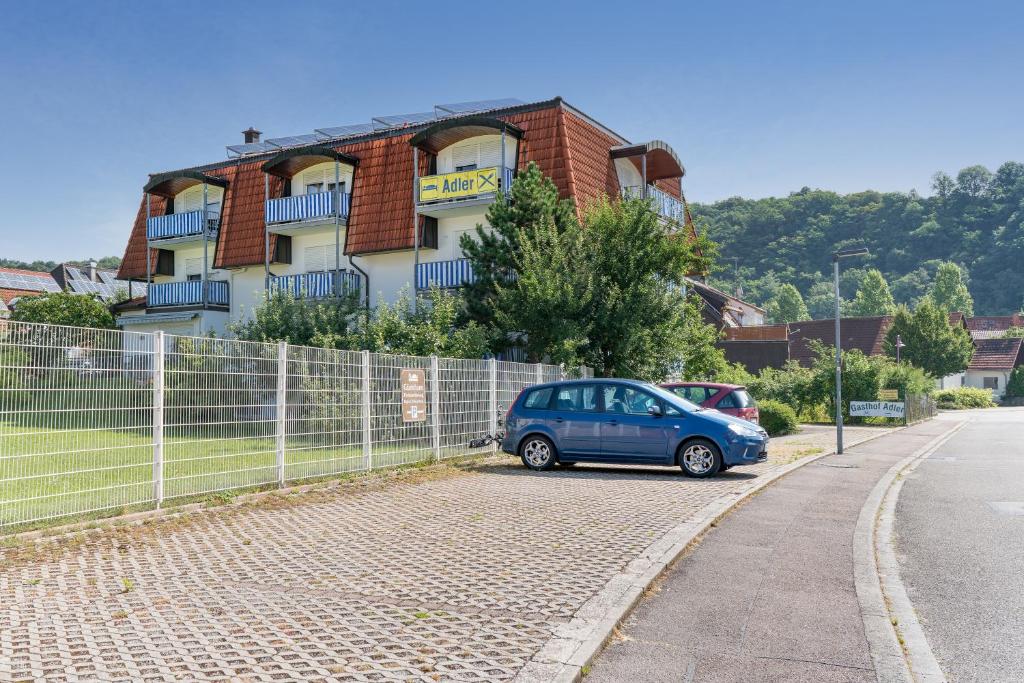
(899, 345)
(841, 254)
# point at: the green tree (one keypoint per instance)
(494, 253)
(949, 291)
(638, 323)
(932, 344)
(63, 308)
(545, 306)
(873, 296)
(432, 329)
(327, 322)
(821, 300)
(1015, 385)
(787, 306)
(1014, 333)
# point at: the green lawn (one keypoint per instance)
(49, 474)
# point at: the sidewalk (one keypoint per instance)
(769, 594)
(438, 574)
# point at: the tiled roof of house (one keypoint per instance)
(866, 334)
(779, 332)
(996, 354)
(565, 144)
(993, 326)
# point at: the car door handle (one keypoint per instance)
(612, 422)
(559, 419)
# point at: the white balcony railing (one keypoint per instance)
(306, 207)
(188, 224)
(188, 293)
(665, 204)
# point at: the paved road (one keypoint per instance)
(960, 543)
(460, 575)
(769, 594)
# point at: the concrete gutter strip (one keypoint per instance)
(888, 615)
(576, 644)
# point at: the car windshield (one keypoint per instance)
(675, 399)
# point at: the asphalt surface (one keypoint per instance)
(960, 545)
(769, 594)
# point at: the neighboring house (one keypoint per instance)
(371, 208)
(89, 279)
(993, 326)
(757, 348)
(16, 283)
(723, 309)
(864, 334)
(993, 361)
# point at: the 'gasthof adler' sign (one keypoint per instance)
(877, 409)
(414, 395)
(458, 184)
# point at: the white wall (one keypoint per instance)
(487, 149)
(976, 378)
(628, 175)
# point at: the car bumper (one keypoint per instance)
(746, 452)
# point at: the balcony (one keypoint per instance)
(461, 192)
(317, 285)
(444, 274)
(291, 214)
(182, 227)
(188, 293)
(667, 206)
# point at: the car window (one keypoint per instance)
(728, 401)
(693, 394)
(577, 397)
(625, 400)
(743, 399)
(538, 399)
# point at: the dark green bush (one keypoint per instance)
(777, 418)
(1015, 387)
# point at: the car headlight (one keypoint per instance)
(740, 430)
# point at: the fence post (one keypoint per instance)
(492, 385)
(540, 373)
(435, 406)
(282, 399)
(367, 432)
(158, 417)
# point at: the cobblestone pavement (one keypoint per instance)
(456, 577)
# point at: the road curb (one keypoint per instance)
(899, 649)
(575, 645)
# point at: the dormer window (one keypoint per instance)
(320, 180)
(481, 152)
(192, 200)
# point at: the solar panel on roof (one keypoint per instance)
(385, 122)
(344, 131)
(33, 283)
(294, 140)
(479, 105)
(106, 277)
(249, 148)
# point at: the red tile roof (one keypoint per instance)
(997, 354)
(8, 294)
(866, 334)
(566, 146)
(993, 326)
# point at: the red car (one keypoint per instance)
(728, 398)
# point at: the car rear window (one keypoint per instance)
(538, 399)
(739, 399)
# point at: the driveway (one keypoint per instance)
(447, 573)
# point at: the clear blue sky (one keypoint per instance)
(758, 98)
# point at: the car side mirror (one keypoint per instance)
(654, 410)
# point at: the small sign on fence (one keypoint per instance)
(414, 395)
(877, 409)
(889, 394)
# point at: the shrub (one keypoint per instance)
(1015, 386)
(963, 397)
(777, 418)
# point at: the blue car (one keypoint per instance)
(626, 422)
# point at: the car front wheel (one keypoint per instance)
(538, 453)
(700, 458)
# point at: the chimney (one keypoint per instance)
(252, 135)
(92, 270)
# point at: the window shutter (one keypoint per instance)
(464, 155)
(193, 266)
(318, 259)
(490, 153)
(193, 199)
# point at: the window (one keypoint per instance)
(538, 399)
(319, 259)
(694, 394)
(990, 383)
(577, 398)
(627, 401)
(192, 199)
(193, 269)
(477, 153)
(321, 180)
(736, 399)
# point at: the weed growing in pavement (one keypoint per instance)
(119, 614)
(127, 585)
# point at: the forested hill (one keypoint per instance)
(975, 220)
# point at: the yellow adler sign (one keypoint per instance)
(458, 184)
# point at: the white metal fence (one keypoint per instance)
(97, 422)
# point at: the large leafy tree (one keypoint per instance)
(493, 253)
(949, 291)
(873, 296)
(931, 343)
(63, 308)
(787, 306)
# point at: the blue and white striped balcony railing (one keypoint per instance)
(189, 224)
(317, 285)
(444, 274)
(188, 293)
(665, 204)
(306, 207)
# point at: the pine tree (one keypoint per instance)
(949, 291)
(873, 296)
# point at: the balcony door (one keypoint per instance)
(192, 199)
(320, 179)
